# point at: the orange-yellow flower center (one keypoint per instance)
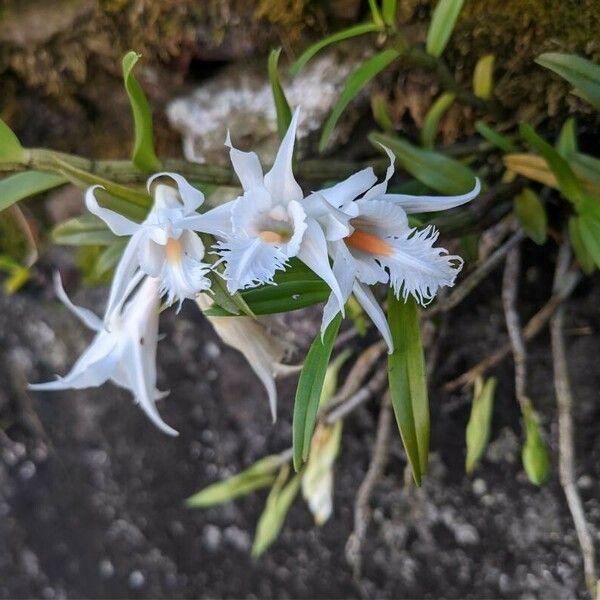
(367, 242)
(173, 250)
(271, 237)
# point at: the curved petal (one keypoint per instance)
(192, 245)
(216, 221)
(381, 188)
(117, 223)
(367, 300)
(313, 253)
(349, 189)
(423, 204)
(335, 222)
(191, 197)
(151, 257)
(298, 218)
(246, 166)
(85, 315)
(280, 179)
(380, 218)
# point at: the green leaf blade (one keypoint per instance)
(442, 24)
(344, 34)
(495, 138)
(534, 455)
(432, 118)
(477, 433)
(28, 183)
(282, 108)
(435, 170)
(532, 216)
(10, 146)
(407, 381)
(308, 392)
(354, 84)
(143, 155)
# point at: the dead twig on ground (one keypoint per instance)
(566, 450)
(362, 509)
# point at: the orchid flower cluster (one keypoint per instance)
(352, 235)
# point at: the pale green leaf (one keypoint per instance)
(407, 381)
(532, 215)
(354, 84)
(584, 258)
(442, 24)
(535, 452)
(87, 230)
(344, 34)
(388, 12)
(478, 428)
(28, 183)
(10, 146)
(432, 118)
(483, 77)
(282, 108)
(495, 138)
(143, 155)
(566, 145)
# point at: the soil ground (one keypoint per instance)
(91, 493)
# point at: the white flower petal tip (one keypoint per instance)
(123, 350)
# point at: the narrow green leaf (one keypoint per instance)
(586, 262)
(109, 257)
(566, 145)
(308, 392)
(282, 108)
(10, 146)
(388, 12)
(407, 380)
(442, 24)
(344, 34)
(375, 12)
(354, 84)
(87, 230)
(483, 77)
(435, 170)
(535, 452)
(28, 183)
(432, 118)
(260, 474)
(143, 156)
(18, 275)
(493, 137)
(589, 230)
(567, 182)
(532, 215)
(380, 112)
(586, 167)
(271, 520)
(478, 428)
(582, 74)
(330, 382)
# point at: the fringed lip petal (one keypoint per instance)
(117, 223)
(280, 179)
(424, 204)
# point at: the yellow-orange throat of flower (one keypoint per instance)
(173, 250)
(367, 242)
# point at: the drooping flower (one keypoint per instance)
(261, 230)
(124, 348)
(263, 350)
(382, 248)
(159, 246)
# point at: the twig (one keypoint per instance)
(374, 386)
(533, 327)
(510, 289)
(476, 277)
(362, 509)
(566, 450)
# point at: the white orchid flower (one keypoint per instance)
(124, 349)
(263, 350)
(159, 246)
(262, 229)
(382, 248)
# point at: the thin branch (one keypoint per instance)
(476, 277)
(566, 450)
(362, 509)
(510, 289)
(533, 327)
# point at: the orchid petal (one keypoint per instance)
(381, 188)
(216, 221)
(423, 204)
(85, 315)
(347, 190)
(367, 300)
(345, 275)
(191, 197)
(313, 253)
(151, 257)
(117, 223)
(280, 179)
(246, 166)
(298, 217)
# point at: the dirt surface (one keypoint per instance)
(91, 493)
